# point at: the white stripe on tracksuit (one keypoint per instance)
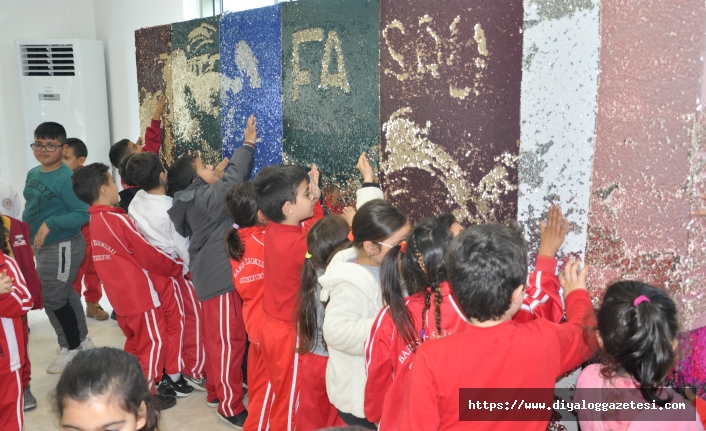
(20, 401)
(294, 388)
(264, 408)
(152, 329)
(225, 368)
(197, 371)
(180, 303)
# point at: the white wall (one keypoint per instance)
(30, 19)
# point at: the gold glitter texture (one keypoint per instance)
(340, 78)
(302, 77)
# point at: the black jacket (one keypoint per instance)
(199, 213)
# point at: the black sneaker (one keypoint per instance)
(181, 387)
(113, 315)
(213, 403)
(165, 388)
(198, 384)
(165, 401)
(236, 421)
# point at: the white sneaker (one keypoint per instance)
(61, 361)
(86, 344)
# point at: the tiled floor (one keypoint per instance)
(190, 413)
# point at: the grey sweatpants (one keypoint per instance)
(57, 265)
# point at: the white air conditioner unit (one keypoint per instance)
(64, 81)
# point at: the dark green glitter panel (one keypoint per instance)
(330, 118)
(196, 86)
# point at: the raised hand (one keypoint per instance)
(251, 130)
(365, 169)
(314, 190)
(220, 168)
(159, 107)
(552, 232)
(348, 214)
(572, 279)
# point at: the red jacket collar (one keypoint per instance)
(105, 209)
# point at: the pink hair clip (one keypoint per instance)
(640, 299)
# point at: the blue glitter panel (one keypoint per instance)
(251, 82)
(331, 90)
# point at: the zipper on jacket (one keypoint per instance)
(2, 352)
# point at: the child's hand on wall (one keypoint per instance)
(572, 279)
(365, 169)
(251, 131)
(314, 189)
(159, 107)
(552, 232)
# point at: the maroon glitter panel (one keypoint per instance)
(450, 75)
(153, 47)
(645, 168)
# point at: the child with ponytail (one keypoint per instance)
(351, 289)
(315, 411)
(418, 268)
(245, 244)
(637, 331)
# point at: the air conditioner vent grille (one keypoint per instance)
(47, 60)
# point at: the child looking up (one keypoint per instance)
(15, 302)
(198, 212)
(245, 243)
(637, 332)
(487, 269)
(287, 196)
(86, 280)
(431, 312)
(351, 288)
(153, 138)
(55, 216)
(124, 260)
(182, 311)
(315, 411)
(104, 389)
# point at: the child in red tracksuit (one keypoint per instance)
(87, 280)
(431, 312)
(245, 244)
(486, 267)
(124, 260)
(15, 302)
(287, 196)
(15, 234)
(182, 311)
(315, 411)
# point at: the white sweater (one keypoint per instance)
(149, 212)
(354, 300)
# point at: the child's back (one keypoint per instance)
(149, 211)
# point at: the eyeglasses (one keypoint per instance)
(36, 146)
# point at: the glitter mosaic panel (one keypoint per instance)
(558, 112)
(330, 89)
(648, 152)
(154, 72)
(450, 77)
(196, 103)
(251, 82)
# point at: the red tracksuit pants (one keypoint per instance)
(314, 410)
(224, 337)
(278, 341)
(145, 333)
(173, 309)
(11, 402)
(87, 279)
(259, 392)
(27, 366)
(193, 348)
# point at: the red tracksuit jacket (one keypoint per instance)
(388, 359)
(18, 240)
(123, 258)
(13, 306)
(248, 278)
(286, 249)
(507, 355)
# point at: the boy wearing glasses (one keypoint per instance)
(55, 216)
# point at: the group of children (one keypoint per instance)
(360, 319)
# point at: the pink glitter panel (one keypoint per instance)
(646, 164)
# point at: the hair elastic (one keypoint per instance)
(403, 246)
(235, 226)
(351, 238)
(640, 299)
(307, 255)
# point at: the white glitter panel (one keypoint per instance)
(558, 115)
